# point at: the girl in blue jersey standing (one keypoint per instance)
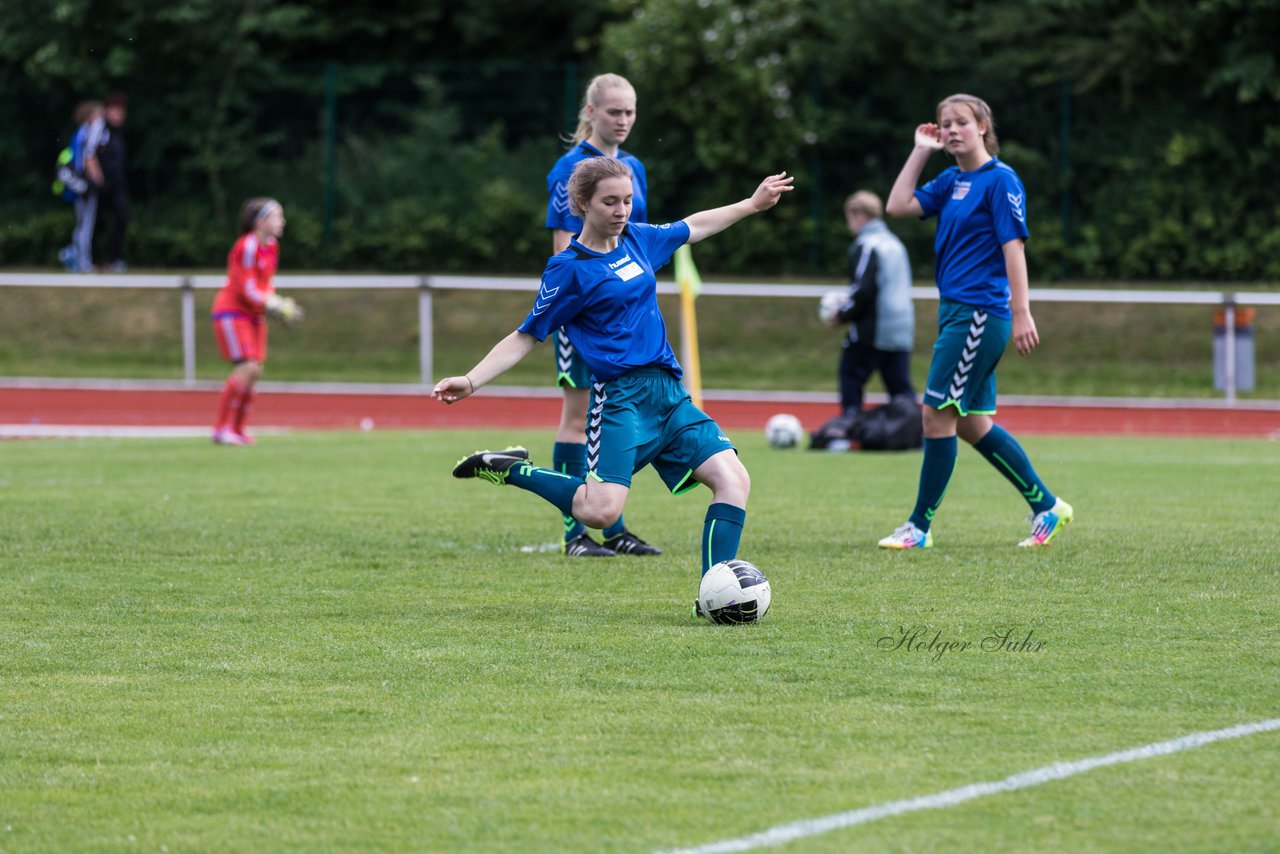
(608, 113)
(602, 291)
(981, 271)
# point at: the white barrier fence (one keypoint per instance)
(426, 285)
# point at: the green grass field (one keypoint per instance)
(372, 336)
(326, 643)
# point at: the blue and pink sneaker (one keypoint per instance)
(908, 536)
(1046, 524)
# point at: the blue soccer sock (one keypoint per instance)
(570, 458)
(553, 486)
(721, 532)
(935, 473)
(1004, 452)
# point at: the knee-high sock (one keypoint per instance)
(721, 532)
(1004, 452)
(571, 459)
(228, 404)
(552, 486)
(242, 411)
(935, 473)
(613, 530)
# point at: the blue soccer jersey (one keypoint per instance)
(558, 215)
(978, 212)
(608, 302)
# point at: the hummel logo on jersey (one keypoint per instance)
(560, 198)
(960, 190)
(545, 295)
(1015, 202)
(613, 265)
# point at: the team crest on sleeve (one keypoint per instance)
(545, 294)
(960, 190)
(1015, 202)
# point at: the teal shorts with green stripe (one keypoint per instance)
(969, 346)
(571, 371)
(645, 417)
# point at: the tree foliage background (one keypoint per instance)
(416, 136)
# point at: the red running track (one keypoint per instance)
(324, 411)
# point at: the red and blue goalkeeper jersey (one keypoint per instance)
(250, 266)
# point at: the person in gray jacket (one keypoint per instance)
(878, 309)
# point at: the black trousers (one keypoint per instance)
(113, 201)
(859, 361)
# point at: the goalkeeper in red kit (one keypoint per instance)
(240, 311)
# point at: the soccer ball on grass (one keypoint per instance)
(783, 430)
(734, 591)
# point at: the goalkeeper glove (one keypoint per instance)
(284, 308)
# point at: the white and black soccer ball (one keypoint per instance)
(783, 430)
(734, 591)
(830, 303)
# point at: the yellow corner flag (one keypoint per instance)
(690, 286)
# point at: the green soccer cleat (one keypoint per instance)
(490, 465)
(1046, 524)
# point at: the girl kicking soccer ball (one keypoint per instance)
(602, 291)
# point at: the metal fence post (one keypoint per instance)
(188, 331)
(424, 329)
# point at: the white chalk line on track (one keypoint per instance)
(107, 431)
(784, 833)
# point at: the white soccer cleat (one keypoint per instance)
(908, 536)
(230, 437)
(1046, 524)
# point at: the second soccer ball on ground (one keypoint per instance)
(784, 430)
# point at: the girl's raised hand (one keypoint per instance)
(770, 190)
(929, 135)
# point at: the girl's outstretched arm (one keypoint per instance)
(706, 223)
(504, 356)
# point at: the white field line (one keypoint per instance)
(784, 833)
(107, 431)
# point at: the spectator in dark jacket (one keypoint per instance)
(113, 198)
(878, 307)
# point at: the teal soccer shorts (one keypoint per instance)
(571, 371)
(963, 371)
(645, 417)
